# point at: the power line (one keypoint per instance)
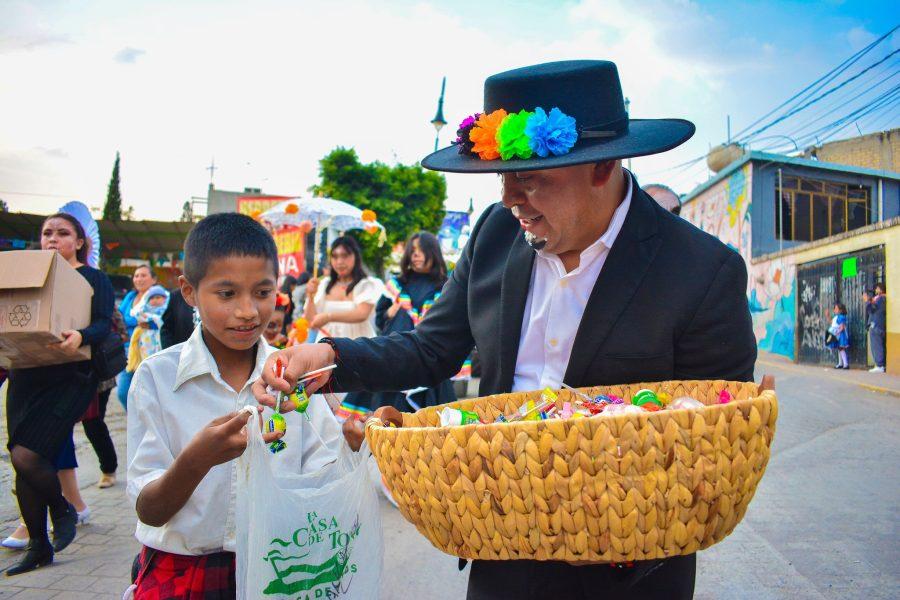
(35, 194)
(818, 98)
(832, 74)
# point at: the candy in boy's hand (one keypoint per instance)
(276, 423)
(300, 398)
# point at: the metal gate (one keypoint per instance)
(824, 282)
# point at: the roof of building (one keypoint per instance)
(127, 238)
(785, 159)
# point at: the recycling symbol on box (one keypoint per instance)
(19, 316)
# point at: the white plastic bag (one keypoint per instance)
(306, 537)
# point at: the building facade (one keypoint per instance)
(812, 234)
(879, 151)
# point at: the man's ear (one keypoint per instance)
(603, 171)
(188, 292)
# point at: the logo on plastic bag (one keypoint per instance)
(295, 574)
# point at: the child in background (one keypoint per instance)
(187, 425)
(274, 332)
(145, 339)
(841, 334)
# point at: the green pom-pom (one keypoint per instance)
(511, 138)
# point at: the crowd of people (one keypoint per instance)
(524, 293)
(46, 403)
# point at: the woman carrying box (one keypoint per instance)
(43, 404)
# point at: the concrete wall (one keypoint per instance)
(879, 151)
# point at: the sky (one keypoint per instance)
(268, 88)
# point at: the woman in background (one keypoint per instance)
(405, 303)
(131, 305)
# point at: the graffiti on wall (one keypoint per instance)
(724, 211)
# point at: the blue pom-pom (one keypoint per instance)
(551, 134)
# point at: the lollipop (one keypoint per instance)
(685, 402)
(646, 396)
(301, 398)
(276, 422)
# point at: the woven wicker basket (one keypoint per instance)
(616, 488)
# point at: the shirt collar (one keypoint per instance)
(196, 360)
(605, 241)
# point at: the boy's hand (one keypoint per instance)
(222, 440)
(297, 360)
(354, 433)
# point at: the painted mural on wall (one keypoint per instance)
(724, 211)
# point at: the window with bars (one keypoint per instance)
(812, 209)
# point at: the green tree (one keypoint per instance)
(3, 206)
(405, 198)
(112, 210)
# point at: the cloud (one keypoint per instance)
(128, 55)
(859, 37)
(23, 27)
(53, 152)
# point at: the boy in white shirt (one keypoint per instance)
(185, 422)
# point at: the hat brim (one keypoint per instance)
(644, 136)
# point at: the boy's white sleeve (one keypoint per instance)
(149, 453)
(322, 436)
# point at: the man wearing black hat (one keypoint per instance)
(576, 277)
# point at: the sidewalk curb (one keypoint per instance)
(868, 386)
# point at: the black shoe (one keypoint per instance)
(838, 366)
(64, 528)
(35, 557)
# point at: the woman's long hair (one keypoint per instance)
(431, 248)
(352, 246)
(81, 254)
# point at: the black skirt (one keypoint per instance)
(44, 403)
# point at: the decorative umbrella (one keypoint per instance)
(323, 212)
(91, 230)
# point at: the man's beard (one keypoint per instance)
(534, 241)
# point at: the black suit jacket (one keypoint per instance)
(178, 320)
(669, 303)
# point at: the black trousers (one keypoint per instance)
(669, 579)
(98, 434)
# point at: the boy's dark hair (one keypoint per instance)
(223, 235)
(431, 248)
(880, 286)
(841, 308)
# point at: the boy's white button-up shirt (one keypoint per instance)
(555, 305)
(174, 394)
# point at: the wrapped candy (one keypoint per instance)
(621, 409)
(300, 398)
(643, 397)
(685, 402)
(276, 423)
(725, 397)
(454, 416)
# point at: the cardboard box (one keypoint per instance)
(41, 296)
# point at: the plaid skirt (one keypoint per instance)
(160, 575)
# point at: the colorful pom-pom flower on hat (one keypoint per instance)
(368, 216)
(484, 135)
(519, 135)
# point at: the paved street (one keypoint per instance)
(825, 521)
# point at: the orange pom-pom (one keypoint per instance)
(255, 215)
(373, 230)
(368, 216)
(484, 135)
(292, 209)
(305, 227)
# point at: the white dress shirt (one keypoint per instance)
(174, 394)
(556, 302)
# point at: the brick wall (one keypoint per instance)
(873, 151)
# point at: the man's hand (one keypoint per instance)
(354, 433)
(224, 439)
(71, 341)
(297, 360)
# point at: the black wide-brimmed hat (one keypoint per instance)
(560, 114)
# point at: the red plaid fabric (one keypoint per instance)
(165, 576)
